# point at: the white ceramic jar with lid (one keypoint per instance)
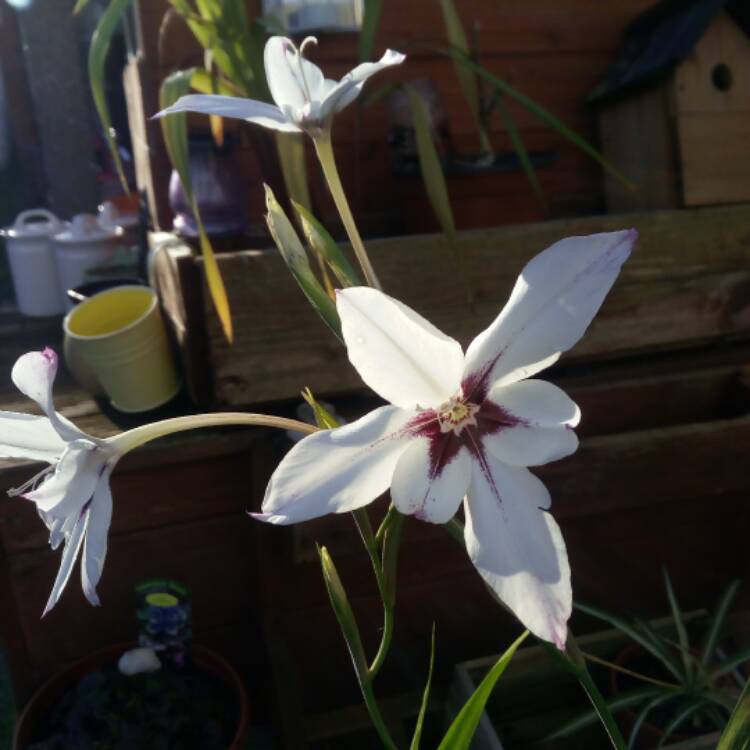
(32, 262)
(82, 247)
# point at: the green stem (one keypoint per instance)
(324, 149)
(385, 524)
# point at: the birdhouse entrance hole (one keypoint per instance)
(721, 77)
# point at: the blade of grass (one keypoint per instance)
(466, 78)
(370, 21)
(417, 738)
(714, 633)
(642, 716)
(736, 735)
(174, 130)
(543, 114)
(461, 731)
(98, 52)
(520, 148)
(679, 624)
(680, 718)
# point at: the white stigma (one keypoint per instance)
(455, 414)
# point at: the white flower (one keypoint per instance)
(72, 494)
(465, 426)
(305, 99)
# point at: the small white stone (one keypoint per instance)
(138, 660)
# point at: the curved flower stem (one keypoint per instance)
(126, 441)
(385, 524)
(324, 150)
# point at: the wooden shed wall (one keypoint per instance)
(554, 52)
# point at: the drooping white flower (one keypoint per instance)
(72, 494)
(465, 426)
(305, 99)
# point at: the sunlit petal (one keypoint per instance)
(517, 547)
(554, 300)
(399, 354)
(68, 559)
(95, 545)
(431, 479)
(335, 471)
(27, 436)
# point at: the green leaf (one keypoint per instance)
(466, 77)
(646, 642)
(417, 738)
(681, 717)
(716, 628)
(731, 663)
(626, 700)
(296, 259)
(679, 624)
(79, 6)
(370, 21)
(520, 148)
(461, 731)
(98, 52)
(543, 114)
(736, 735)
(205, 83)
(174, 130)
(291, 150)
(321, 241)
(643, 715)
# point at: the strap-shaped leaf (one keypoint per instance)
(291, 150)
(370, 21)
(174, 130)
(461, 731)
(417, 737)
(679, 624)
(716, 628)
(98, 52)
(736, 735)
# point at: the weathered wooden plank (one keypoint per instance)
(686, 283)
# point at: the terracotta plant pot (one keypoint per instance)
(48, 694)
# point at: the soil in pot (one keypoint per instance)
(164, 710)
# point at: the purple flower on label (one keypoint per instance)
(465, 427)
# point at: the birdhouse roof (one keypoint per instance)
(661, 38)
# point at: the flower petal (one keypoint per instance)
(34, 374)
(95, 545)
(554, 300)
(293, 81)
(335, 471)
(29, 436)
(431, 486)
(68, 559)
(250, 110)
(73, 482)
(528, 423)
(517, 547)
(350, 86)
(398, 353)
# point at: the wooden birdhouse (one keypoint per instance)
(674, 109)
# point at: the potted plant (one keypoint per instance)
(93, 700)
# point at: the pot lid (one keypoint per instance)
(36, 222)
(87, 228)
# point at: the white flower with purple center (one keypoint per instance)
(306, 101)
(465, 427)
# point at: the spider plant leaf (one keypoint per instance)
(716, 628)
(680, 718)
(731, 663)
(461, 731)
(174, 131)
(679, 624)
(645, 641)
(736, 735)
(543, 114)
(626, 700)
(466, 76)
(643, 715)
(520, 148)
(416, 739)
(320, 240)
(297, 262)
(370, 21)
(98, 52)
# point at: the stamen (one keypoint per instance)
(34, 482)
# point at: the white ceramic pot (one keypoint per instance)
(82, 247)
(32, 262)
